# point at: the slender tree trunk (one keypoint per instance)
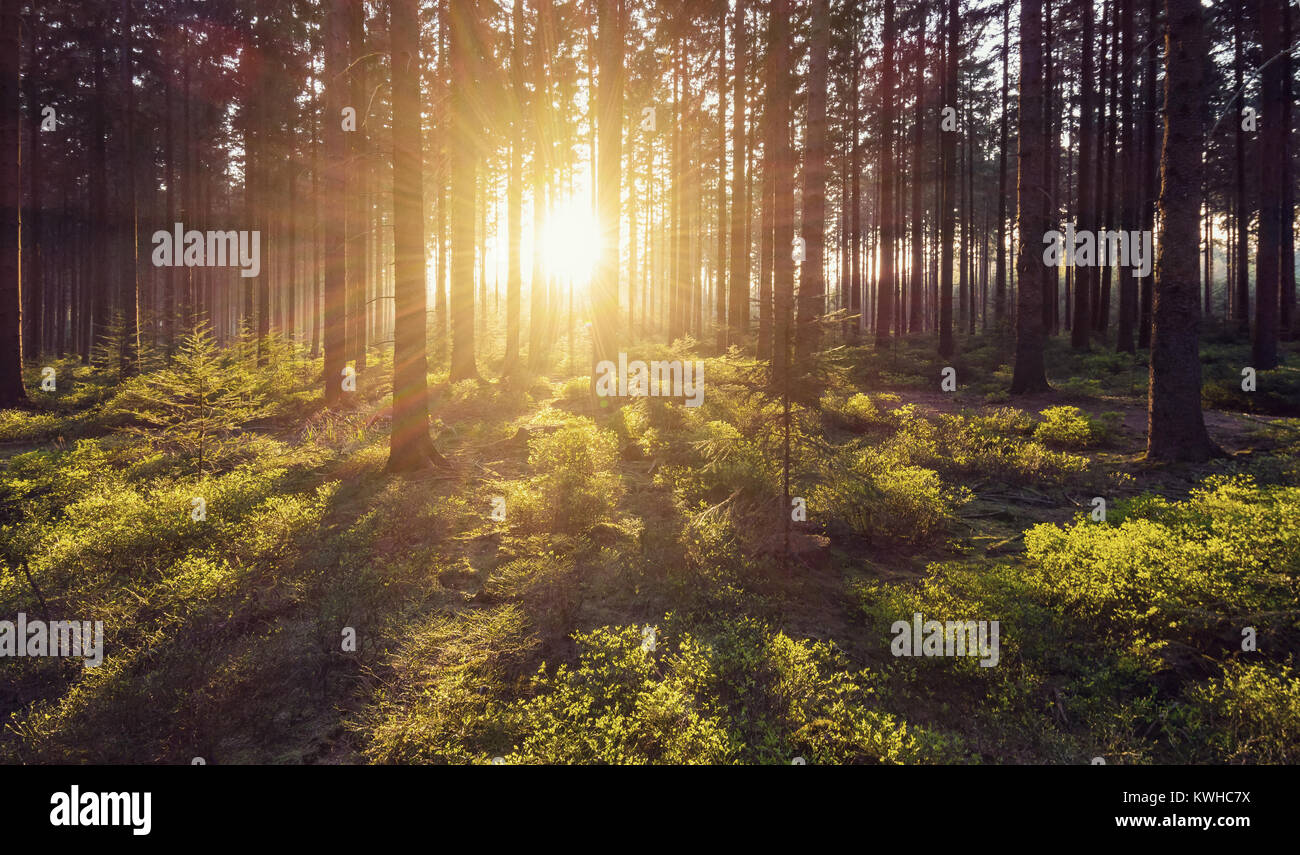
(1000, 276)
(538, 320)
(334, 282)
(98, 296)
(768, 250)
(358, 220)
(948, 210)
(1150, 170)
(440, 160)
(410, 444)
(1290, 329)
(12, 391)
(914, 318)
(1030, 373)
(738, 295)
(609, 179)
(515, 189)
(1175, 426)
(1083, 276)
(1241, 305)
(779, 85)
(885, 286)
(464, 158)
(32, 260)
(1272, 148)
(720, 262)
(856, 307)
(812, 281)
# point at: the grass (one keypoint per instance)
(524, 637)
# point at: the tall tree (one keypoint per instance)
(1000, 265)
(357, 211)
(886, 283)
(129, 249)
(515, 189)
(1289, 328)
(1241, 303)
(464, 157)
(914, 318)
(410, 446)
(609, 178)
(1030, 372)
(1175, 425)
(1272, 148)
(812, 282)
(12, 392)
(1129, 165)
(33, 249)
(1083, 275)
(538, 311)
(720, 265)
(779, 102)
(334, 310)
(738, 292)
(948, 209)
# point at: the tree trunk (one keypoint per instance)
(720, 263)
(948, 208)
(1175, 426)
(334, 311)
(1081, 326)
(1272, 148)
(1000, 276)
(1030, 372)
(12, 392)
(915, 321)
(1241, 305)
(779, 86)
(812, 282)
(32, 261)
(609, 180)
(410, 445)
(738, 295)
(463, 166)
(514, 203)
(128, 279)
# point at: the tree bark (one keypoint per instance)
(812, 281)
(12, 391)
(410, 446)
(334, 310)
(463, 166)
(1175, 426)
(1081, 326)
(948, 208)
(738, 294)
(1272, 148)
(1030, 373)
(609, 180)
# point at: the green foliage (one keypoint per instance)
(962, 447)
(1248, 714)
(858, 412)
(196, 407)
(1070, 427)
(441, 705)
(883, 500)
(740, 694)
(521, 639)
(1172, 568)
(575, 486)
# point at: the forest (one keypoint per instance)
(649, 382)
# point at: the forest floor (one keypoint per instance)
(503, 608)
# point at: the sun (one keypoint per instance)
(571, 242)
